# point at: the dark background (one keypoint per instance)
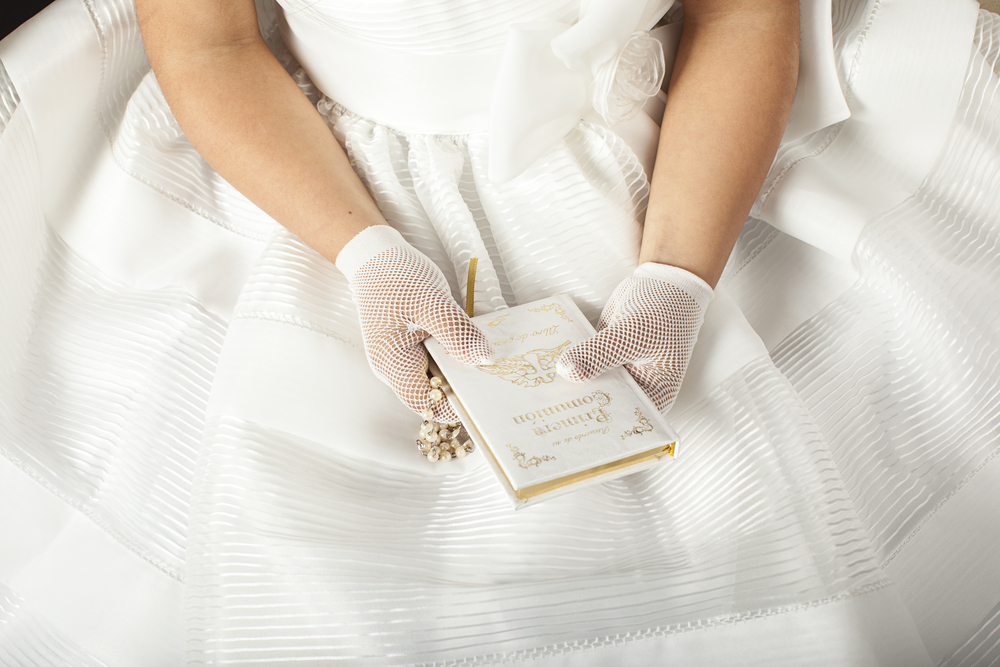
(16, 12)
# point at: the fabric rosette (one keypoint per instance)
(623, 84)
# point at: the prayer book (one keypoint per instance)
(542, 434)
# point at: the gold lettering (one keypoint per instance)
(540, 414)
(603, 417)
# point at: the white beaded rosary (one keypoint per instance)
(439, 441)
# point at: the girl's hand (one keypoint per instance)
(649, 326)
(403, 298)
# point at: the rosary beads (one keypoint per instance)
(439, 441)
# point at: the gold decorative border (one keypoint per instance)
(643, 425)
(523, 460)
(602, 397)
(551, 307)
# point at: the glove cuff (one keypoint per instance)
(680, 278)
(366, 244)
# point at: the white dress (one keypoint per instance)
(198, 465)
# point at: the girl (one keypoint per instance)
(192, 381)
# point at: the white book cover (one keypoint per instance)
(543, 434)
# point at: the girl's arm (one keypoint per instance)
(250, 121)
(730, 95)
(729, 98)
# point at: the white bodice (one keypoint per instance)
(428, 27)
(526, 72)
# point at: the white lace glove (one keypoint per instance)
(649, 325)
(403, 298)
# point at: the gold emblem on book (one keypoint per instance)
(531, 369)
(524, 461)
(643, 425)
(498, 319)
(551, 308)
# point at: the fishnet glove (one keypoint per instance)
(402, 299)
(649, 326)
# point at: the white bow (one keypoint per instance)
(553, 74)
